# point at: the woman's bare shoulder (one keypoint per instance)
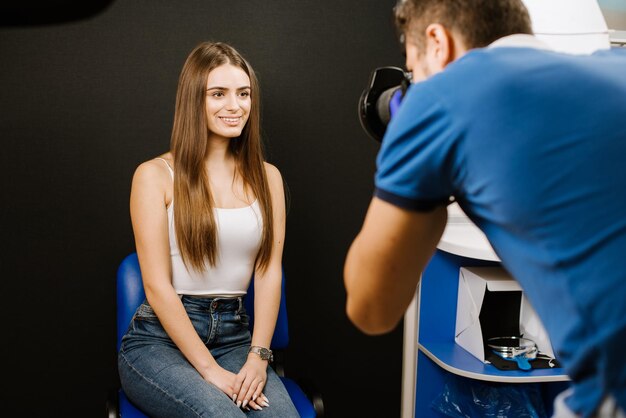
(154, 171)
(274, 180)
(272, 172)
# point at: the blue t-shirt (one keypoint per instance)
(532, 144)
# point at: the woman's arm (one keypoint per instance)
(267, 291)
(150, 226)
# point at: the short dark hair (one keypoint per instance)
(478, 22)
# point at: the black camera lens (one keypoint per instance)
(386, 89)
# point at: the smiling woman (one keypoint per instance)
(227, 100)
(189, 340)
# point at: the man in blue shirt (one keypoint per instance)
(532, 144)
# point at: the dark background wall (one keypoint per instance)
(83, 103)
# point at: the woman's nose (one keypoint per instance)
(232, 102)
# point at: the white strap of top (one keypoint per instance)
(168, 166)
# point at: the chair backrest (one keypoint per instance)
(130, 295)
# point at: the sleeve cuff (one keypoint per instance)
(418, 205)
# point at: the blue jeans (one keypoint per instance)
(161, 382)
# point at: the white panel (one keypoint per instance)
(574, 26)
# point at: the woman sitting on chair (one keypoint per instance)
(206, 216)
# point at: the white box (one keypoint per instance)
(474, 282)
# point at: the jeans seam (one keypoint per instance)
(154, 384)
(214, 328)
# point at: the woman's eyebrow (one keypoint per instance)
(226, 88)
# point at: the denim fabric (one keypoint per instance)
(160, 381)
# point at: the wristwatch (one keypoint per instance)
(264, 353)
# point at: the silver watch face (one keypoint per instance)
(265, 353)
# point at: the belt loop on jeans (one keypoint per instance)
(240, 299)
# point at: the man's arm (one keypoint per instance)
(385, 262)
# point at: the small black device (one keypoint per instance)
(381, 98)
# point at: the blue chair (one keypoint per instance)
(130, 295)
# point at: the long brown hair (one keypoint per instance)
(194, 221)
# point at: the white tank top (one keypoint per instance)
(239, 233)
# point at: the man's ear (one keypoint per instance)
(440, 46)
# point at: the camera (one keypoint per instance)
(381, 99)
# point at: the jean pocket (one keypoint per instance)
(145, 312)
(145, 326)
(244, 319)
(236, 322)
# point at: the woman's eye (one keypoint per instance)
(245, 93)
(217, 94)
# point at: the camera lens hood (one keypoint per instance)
(384, 86)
